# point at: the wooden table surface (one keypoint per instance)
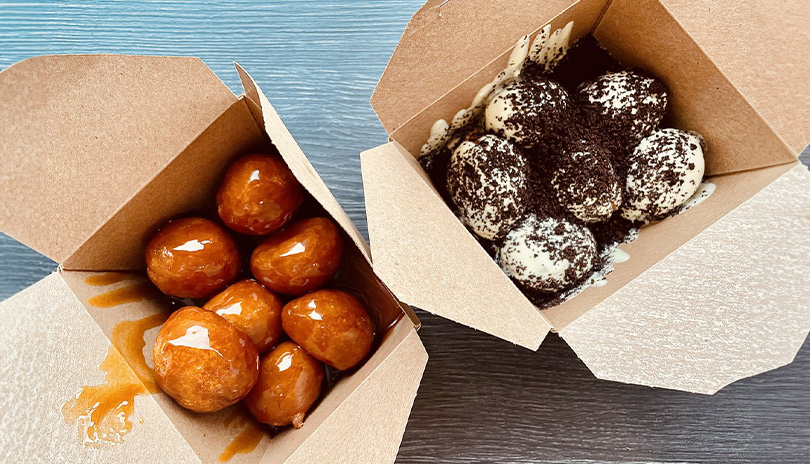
(482, 399)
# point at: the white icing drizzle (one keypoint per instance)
(546, 50)
(610, 256)
(704, 191)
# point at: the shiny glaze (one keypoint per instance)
(300, 258)
(332, 325)
(192, 258)
(129, 294)
(252, 309)
(203, 361)
(290, 381)
(258, 195)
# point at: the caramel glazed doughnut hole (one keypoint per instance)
(252, 309)
(203, 361)
(290, 382)
(191, 258)
(258, 195)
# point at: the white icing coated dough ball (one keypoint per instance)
(548, 254)
(587, 185)
(488, 181)
(525, 113)
(634, 103)
(664, 170)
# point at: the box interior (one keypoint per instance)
(744, 153)
(188, 184)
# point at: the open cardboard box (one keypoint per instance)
(708, 297)
(97, 151)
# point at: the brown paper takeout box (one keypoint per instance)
(711, 296)
(96, 152)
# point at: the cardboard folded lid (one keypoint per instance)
(763, 48)
(44, 366)
(431, 261)
(297, 161)
(80, 134)
(362, 418)
(427, 62)
(730, 303)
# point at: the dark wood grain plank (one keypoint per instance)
(482, 399)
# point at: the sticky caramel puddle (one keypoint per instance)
(129, 294)
(247, 440)
(102, 413)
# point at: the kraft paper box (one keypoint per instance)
(716, 294)
(97, 151)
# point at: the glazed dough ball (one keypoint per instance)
(527, 112)
(548, 254)
(665, 169)
(192, 258)
(488, 181)
(587, 185)
(634, 103)
(203, 361)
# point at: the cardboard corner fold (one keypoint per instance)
(424, 67)
(415, 253)
(297, 160)
(764, 50)
(43, 367)
(375, 404)
(82, 133)
(699, 319)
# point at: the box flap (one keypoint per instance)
(763, 48)
(416, 252)
(367, 426)
(701, 96)
(187, 183)
(425, 64)
(44, 366)
(732, 302)
(297, 161)
(79, 134)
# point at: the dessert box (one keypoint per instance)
(708, 297)
(97, 152)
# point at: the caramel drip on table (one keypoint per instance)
(108, 278)
(247, 440)
(102, 412)
(131, 293)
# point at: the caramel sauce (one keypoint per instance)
(108, 278)
(102, 412)
(128, 337)
(247, 440)
(129, 294)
